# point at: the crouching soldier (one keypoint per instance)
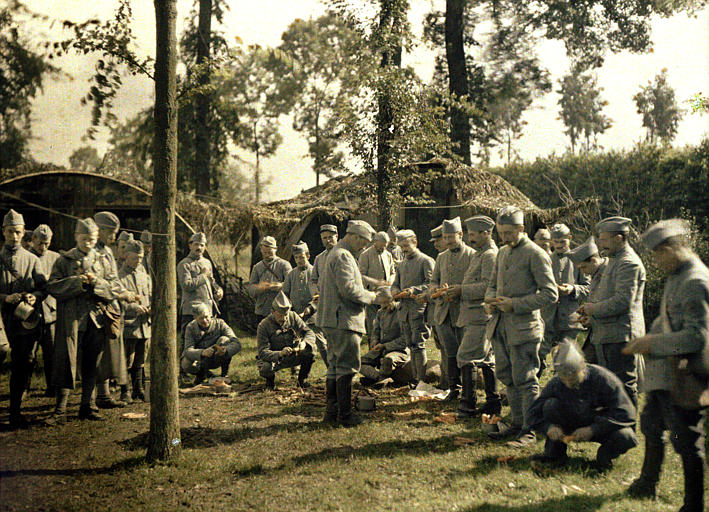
(209, 343)
(583, 402)
(284, 341)
(389, 350)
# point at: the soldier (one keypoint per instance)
(616, 313)
(522, 282)
(341, 317)
(572, 284)
(389, 350)
(80, 282)
(583, 402)
(475, 349)
(446, 282)
(543, 239)
(146, 237)
(376, 264)
(440, 245)
(123, 238)
(284, 341)
(267, 277)
(22, 289)
(412, 279)
(328, 236)
(676, 369)
(195, 276)
(136, 329)
(41, 240)
(209, 343)
(392, 245)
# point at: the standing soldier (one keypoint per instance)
(445, 282)
(136, 330)
(475, 349)
(543, 239)
(41, 240)
(677, 365)
(572, 284)
(376, 264)
(616, 314)
(146, 237)
(22, 285)
(412, 279)
(80, 281)
(522, 282)
(267, 277)
(341, 316)
(328, 236)
(440, 245)
(392, 245)
(121, 243)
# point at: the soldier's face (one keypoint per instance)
(380, 245)
(197, 248)
(302, 259)
(107, 235)
(561, 245)
(439, 244)
(328, 239)
(665, 257)
(572, 380)
(510, 233)
(41, 245)
(452, 240)
(133, 259)
(408, 245)
(121, 248)
(86, 242)
(267, 253)
(279, 316)
(609, 243)
(543, 243)
(479, 238)
(204, 320)
(13, 235)
(359, 243)
(590, 266)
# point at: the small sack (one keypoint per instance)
(688, 390)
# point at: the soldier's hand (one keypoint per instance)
(378, 347)
(565, 289)
(286, 352)
(555, 433)
(585, 310)
(422, 298)
(489, 308)
(90, 277)
(585, 321)
(582, 434)
(219, 350)
(641, 345)
(504, 304)
(219, 294)
(144, 310)
(208, 352)
(276, 286)
(13, 298)
(29, 299)
(453, 292)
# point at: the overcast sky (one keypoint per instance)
(681, 44)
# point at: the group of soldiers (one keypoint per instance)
(494, 313)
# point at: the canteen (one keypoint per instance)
(27, 315)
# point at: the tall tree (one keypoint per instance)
(657, 104)
(164, 437)
(84, 158)
(457, 76)
(203, 163)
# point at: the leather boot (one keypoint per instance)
(225, 368)
(331, 408)
(492, 397)
(693, 483)
(303, 374)
(645, 486)
(58, 417)
(345, 416)
(466, 408)
(137, 382)
(86, 413)
(420, 361)
(271, 382)
(453, 380)
(125, 396)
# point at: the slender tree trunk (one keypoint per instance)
(202, 170)
(318, 155)
(257, 172)
(457, 77)
(164, 436)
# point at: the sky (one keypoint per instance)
(681, 45)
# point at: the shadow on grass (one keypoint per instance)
(483, 466)
(573, 502)
(124, 465)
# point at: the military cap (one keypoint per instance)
(329, 228)
(452, 226)
(568, 359)
(107, 220)
(12, 218)
(134, 246)
(146, 237)
(558, 231)
(300, 248)
(125, 236)
(542, 234)
(405, 234)
(269, 241)
(392, 231)
(436, 233)
(42, 232)
(85, 226)
(583, 251)
(199, 308)
(510, 215)
(382, 237)
(661, 231)
(614, 225)
(361, 228)
(281, 302)
(479, 223)
(198, 237)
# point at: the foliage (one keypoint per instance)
(84, 158)
(700, 104)
(581, 108)
(657, 104)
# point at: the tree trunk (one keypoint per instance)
(202, 169)
(457, 77)
(164, 436)
(257, 172)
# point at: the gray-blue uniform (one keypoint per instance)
(380, 364)
(273, 337)
(198, 339)
(48, 316)
(274, 271)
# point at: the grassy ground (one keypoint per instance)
(268, 451)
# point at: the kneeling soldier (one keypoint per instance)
(583, 402)
(284, 341)
(209, 343)
(389, 350)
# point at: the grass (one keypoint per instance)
(268, 451)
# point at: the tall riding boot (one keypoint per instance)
(137, 382)
(18, 383)
(303, 373)
(419, 358)
(645, 486)
(466, 408)
(492, 397)
(345, 416)
(693, 466)
(453, 380)
(331, 408)
(225, 368)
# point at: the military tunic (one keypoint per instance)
(522, 273)
(195, 286)
(198, 339)
(375, 265)
(413, 272)
(394, 354)
(273, 337)
(274, 271)
(396, 252)
(318, 269)
(136, 328)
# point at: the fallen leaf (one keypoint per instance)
(134, 415)
(460, 440)
(506, 458)
(449, 418)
